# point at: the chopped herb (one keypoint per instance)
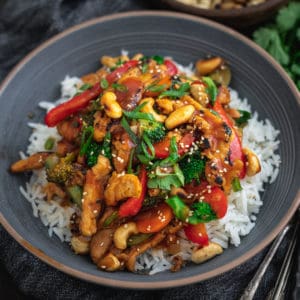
(49, 144)
(120, 87)
(244, 117)
(236, 185)
(86, 139)
(84, 87)
(145, 68)
(104, 83)
(159, 59)
(176, 93)
(156, 88)
(211, 89)
(110, 219)
(146, 147)
(127, 128)
(281, 38)
(165, 181)
(137, 114)
(129, 168)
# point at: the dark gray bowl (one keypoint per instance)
(185, 38)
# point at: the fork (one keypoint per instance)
(281, 282)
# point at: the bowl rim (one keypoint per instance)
(98, 279)
(228, 13)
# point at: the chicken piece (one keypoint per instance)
(120, 187)
(121, 148)
(69, 129)
(100, 126)
(33, 162)
(102, 168)
(80, 244)
(91, 78)
(93, 195)
(52, 189)
(64, 147)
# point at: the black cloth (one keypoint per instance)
(23, 26)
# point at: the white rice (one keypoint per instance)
(259, 136)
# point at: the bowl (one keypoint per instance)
(237, 18)
(186, 38)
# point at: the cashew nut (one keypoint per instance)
(110, 61)
(179, 116)
(206, 253)
(148, 108)
(111, 106)
(109, 263)
(122, 234)
(165, 105)
(252, 162)
(80, 244)
(207, 66)
(199, 93)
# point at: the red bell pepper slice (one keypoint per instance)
(197, 234)
(236, 151)
(75, 104)
(171, 67)
(133, 205)
(60, 112)
(217, 199)
(162, 148)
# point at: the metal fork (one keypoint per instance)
(281, 282)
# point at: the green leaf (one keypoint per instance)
(244, 117)
(156, 88)
(288, 16)
(145, 68)
(127, 128)
(165, 181)
(295, 68)
(120, 87)
(211, 89)
(176, 93)
(159, 59)
(104, 83)
(136, 114)
(269, 39)
(84, 87)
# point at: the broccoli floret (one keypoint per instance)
(92, 153)
(95, 149)
(154, 130)
(61, 171)
(192, 167)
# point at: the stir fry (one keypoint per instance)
(148, 155)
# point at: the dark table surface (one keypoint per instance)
(23, 26)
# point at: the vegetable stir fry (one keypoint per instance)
(148, 155)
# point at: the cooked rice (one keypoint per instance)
(260, 136)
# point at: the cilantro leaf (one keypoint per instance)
(288, 16)
(269, 39)
(165, 181)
